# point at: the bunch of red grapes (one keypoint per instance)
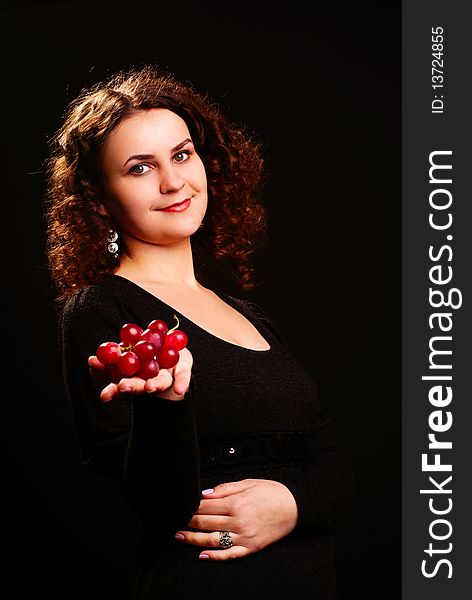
(142, 352)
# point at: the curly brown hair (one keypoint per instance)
(235, 222)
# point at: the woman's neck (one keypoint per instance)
(163, 265)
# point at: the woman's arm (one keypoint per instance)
(326, 483)
(259, 512)
(144, 442)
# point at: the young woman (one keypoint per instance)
(227, 456)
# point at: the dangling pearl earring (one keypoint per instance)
(112, 245)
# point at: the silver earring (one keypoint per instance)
(112, 245)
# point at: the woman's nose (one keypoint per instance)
(170, 180)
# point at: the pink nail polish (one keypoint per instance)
(179, 536)
(208, 491)
(204, 556)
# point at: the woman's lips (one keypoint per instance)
(178, 206)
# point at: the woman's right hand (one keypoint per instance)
(170, 384)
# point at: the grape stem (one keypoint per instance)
(175, 326)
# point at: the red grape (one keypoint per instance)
(108, 353)
(154, 336)
(145, 350)
(148, 368)
(176, 338)
(128, 364)
(158, 324)
(129, 333)
(142, 353)
(167, 356)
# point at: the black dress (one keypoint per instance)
(248, 414)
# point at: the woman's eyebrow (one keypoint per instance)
(181, 145)
(139, 157)
(150, 156)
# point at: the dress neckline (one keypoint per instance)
(228, 299)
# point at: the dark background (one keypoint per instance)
(321, 88)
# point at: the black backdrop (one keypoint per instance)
(321, 88)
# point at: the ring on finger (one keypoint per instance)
(226, 541)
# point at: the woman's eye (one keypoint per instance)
(139, 169)
(182, 155)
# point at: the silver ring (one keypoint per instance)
(226, 541)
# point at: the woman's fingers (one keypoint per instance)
(134, 385)
(183, 372)
(160, 383)
(211, 544)
(198, 538)
(228, 554)
(211, 522)
(215, 507)
(95, 363)
(109, 392)
(257, 512)
(169, 383)
(173, 383)
(97, 369)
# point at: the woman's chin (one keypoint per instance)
(180, 234)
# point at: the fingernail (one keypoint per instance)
(179, 536)
(151, 388)
(204, 556)
(208, 491)
(126, 389)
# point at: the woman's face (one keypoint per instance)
(154, 182)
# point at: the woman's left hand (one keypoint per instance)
(256, 513)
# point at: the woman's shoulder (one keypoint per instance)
(85, 296)
(94, 297)
(112, 300)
